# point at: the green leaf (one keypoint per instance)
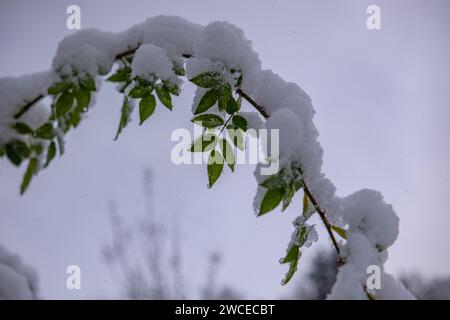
(341, 232)
(63, 103)
(271, 200)
(22, 128)
(308, 207)
(303, 235)
(175, 90)
(179, 71)
(215, 167)
(37, 148)
(292, 257)
(298, 184)
(31, 170)
(204, 143)
(146, 107)
(88, 83)
(51, 152)
(208, 120)
(172, 88)
(240, 122)
(227, 151)
(16, 151)
(273, 182)
(75, 118)
(237, 137)
(164, 96)
(207, 79)
(2, 151)
(83, 98)
(121, 75)
(207, 101)
(140, 91)
(59, 87)
(124, 116)
(225, 95)
(232, 106)
(45, 131)
(239, 102)
(289, 192)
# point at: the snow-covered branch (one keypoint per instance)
(151, 59)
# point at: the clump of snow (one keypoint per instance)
(365, 211)
(18, 91)
(151, 63)
(175, 34)
(312, 237)
(289, 129)
(254, 120)
(196, 66)
(351, 279)
(222, 41)
(392, 289)
(372, 228)
(359, 253)
(91, 51)
(94, 51)
(17, 280)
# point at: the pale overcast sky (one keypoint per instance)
(383, 112)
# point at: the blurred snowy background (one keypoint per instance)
(382, 103)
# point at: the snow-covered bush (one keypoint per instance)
(151, 59)
(17, 280)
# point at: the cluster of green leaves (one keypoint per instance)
(294, 252)
(30, 148)
(142, 90)
(71, 100)
(281, 188)
(221, 150)
(35, 145)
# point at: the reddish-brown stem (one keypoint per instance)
(308, 193)
(249, 99)
(325, 221)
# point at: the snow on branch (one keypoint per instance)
(147, 62)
